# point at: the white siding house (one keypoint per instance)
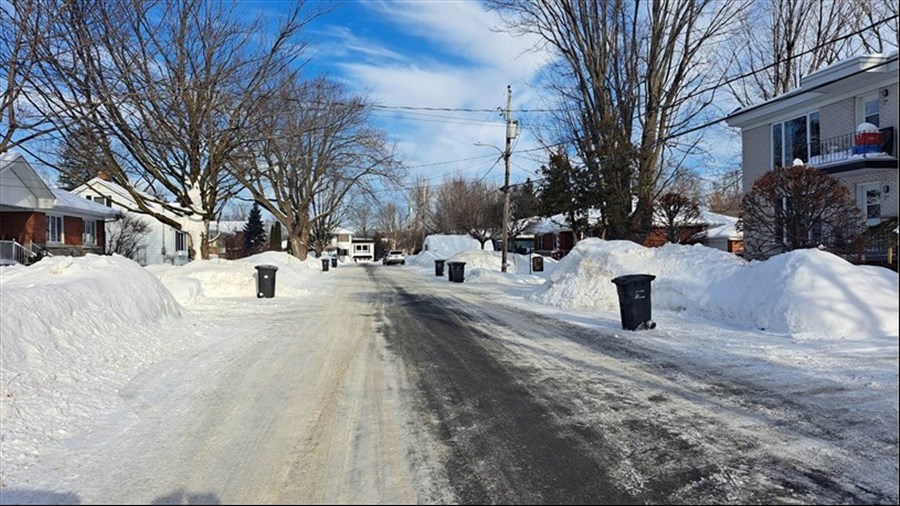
(163, 244)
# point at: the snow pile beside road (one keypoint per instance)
(442, 247)
(218, 278)
(809, 293)
(74, 330)
(478, 259)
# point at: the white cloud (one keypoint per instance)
(471, 68)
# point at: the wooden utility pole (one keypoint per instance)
(510, 135)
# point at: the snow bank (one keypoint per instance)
(219, 278)
(74, 330)
(442, 247)
(809, 293)
(62, 307)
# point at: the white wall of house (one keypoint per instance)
(362, 250)
(163, 244)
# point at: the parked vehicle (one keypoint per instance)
(394, 257)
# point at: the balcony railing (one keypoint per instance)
(853, 147)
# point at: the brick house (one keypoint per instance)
(842, 120)
(35, 217)
(554, 238)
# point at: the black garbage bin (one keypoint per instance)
(334, 261)
(265, 281)
(325, 264)
(457, 271)
(634, 301)
(439, 267)
(537, 263)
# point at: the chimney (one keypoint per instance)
(102, 175)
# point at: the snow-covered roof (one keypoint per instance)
(70, 203)
(227, 227)
(120, 196)
(14, 165)
(342, 230)
(560, 223)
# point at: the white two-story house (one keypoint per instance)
(842, 120)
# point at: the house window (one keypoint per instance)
(54, 228)
(795, 138)
(343, 238)
(871, 112)
(870, 202)
(362, 248)
(90, 232)
(180, 241)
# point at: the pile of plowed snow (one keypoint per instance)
(74, 331)
(219, 278)
(442, 247)
(806, 293)
(485, 266)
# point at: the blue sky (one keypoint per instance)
(440, 54)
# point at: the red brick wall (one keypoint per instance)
(657, 236)
(73, 230)
(24, 227)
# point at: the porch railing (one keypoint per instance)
(13, 252)
(853, 146)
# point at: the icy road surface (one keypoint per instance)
(395, 388)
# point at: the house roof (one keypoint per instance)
(122, 197)
(852, 73)
(73, 204)
(557, 223)
(719, 225)
(14, 164)
(49, 199)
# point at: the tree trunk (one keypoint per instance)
(298, 247)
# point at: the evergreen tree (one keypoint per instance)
(275, 237)
(80, 159)
(254, 232)
(564, 191)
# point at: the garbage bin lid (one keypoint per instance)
(267, 267)
(633, 278)
(456, 263)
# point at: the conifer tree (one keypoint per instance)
(254, 232)
(275, 237)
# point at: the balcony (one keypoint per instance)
(856, 151)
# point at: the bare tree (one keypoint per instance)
(631, 77)
(885, 37)
(126, 237)
(448, 213)
(329, 208)
(316, 146)
(725, 195)
(391, 221)
(168, 87)
(468, 207)
(781, 41)
(800, 207)
(677, 211)
(362, 218)
(26, 25)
